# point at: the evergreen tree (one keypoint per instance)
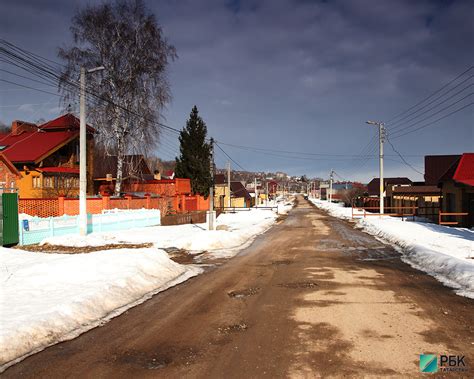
(195, 155)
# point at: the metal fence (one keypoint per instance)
(35, 229)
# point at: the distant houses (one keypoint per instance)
(239, 195)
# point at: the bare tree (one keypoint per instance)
(126, 100)
(349, 195)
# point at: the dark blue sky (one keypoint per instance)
(300, 76)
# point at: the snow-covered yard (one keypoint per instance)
(444, 252)
(234, 231)
(47, 298)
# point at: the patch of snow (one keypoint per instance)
(445, 253)
(48, 298)
(241, 228)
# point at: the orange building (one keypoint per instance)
(45, 157)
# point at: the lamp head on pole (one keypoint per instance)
(377, 123)
(100, 68)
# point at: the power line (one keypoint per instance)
(432, 108)
(434, 114)
(228, 156)
(431, 95)
(435, 121)
(403, 159)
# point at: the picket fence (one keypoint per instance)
(35, 229)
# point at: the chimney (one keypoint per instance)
(157, 175)
(19, 127)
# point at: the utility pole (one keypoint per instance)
(266, 197)
(83, 150)
(211, 214)
(256, 193)
(330, 185)
(381, 126)
(82, 157)
(229, 202)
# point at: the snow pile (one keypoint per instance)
(443, 252)
(234, 232)
(47, 298)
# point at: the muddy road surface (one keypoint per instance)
(312, 297)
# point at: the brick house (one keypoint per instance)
(8, 173)
(46, 157)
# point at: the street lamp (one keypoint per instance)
(82, 152)
(381, 141)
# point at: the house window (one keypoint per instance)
(48, 182)
(36, 182)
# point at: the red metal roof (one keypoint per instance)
(436, 166)
(66, 170)
(31, 146)
(66, 121)
(465, 171)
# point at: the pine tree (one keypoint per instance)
(195, 154)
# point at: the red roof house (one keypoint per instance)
(457, 187)
(47, 156)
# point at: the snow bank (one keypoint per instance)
(234, 231)
(443, 252)
(48, 298)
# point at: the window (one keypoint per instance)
(36, 182)
(48, 182)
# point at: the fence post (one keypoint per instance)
(20, 231)
(183, 203)
(176, 203)
(105, 202)
(148, 200)
(60, 205)
(129, 201)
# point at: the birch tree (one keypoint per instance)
(125, 101)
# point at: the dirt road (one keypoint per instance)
(310, 298)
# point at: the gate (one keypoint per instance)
(9, 219)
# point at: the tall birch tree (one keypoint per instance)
(125, 100)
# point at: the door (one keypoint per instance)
(10, 218)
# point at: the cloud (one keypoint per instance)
(297, 75)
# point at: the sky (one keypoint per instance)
(300, 76)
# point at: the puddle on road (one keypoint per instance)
(144, 360)
(282, 262)
(298, 285)
(234, 328)
(244, 293)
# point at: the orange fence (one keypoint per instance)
(441, 214)
(399, 211)
(53, 207)
(48, 207)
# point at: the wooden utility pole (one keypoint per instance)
(211, 214)
(229, 202)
